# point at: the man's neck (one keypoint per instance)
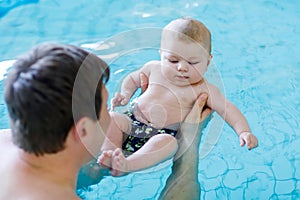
(56, 168)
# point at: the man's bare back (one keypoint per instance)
(25, 181)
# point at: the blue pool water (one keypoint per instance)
(256, 48)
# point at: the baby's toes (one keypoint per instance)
(105, 159)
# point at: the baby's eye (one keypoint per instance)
(173, 61)
(194, 63)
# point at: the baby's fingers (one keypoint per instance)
(117, 100)
(242, 142)
(253, 143)
(246, 141)
(249, 139)
(124, 101)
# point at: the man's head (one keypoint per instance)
(40, 97)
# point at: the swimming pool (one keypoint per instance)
(255, 46)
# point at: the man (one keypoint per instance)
(56, 101)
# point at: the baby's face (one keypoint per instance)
(183, 63)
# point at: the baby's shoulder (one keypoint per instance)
(214, 93)
(151, 67)
(208, 88)
(152, 63)
(203, 85)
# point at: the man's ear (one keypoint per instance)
(79, 129)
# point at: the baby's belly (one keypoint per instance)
(162, 115)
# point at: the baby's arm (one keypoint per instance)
(129, 85)
(232, 115)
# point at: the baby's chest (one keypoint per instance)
(189, 95)
(186, 97)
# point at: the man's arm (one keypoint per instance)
(183, 182)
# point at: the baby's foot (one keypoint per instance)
(105, 159)
(119, 163)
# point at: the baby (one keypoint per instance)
(147, 132)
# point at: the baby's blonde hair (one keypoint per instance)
(194, 29)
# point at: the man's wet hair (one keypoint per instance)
(41, 96)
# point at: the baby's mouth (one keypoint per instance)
(182, 77)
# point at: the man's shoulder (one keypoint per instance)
(6, 145)
(37, 195)
(5, 131)
(5, 135)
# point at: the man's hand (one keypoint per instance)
(199, 112)
(188, 135)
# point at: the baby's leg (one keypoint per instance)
(158, 148)
(119, 123)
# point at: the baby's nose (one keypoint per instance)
(183, 66)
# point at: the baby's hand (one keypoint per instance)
(249, 139)
(118, 100)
